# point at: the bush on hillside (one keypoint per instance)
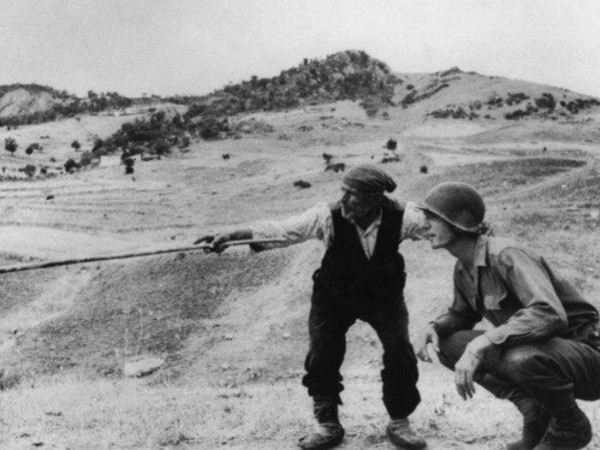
(428, 92)
(346, 75)
(515, 99)
(574, 106)
(71, 165)
(29, 170)
(32, 147)
(454, 112)
(10, 145)
(495, 101)
(155, 134)
(89, 159)
(546, 101)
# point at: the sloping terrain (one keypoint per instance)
(231, 329)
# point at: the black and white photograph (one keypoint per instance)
(299, 224)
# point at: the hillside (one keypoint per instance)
(354, 75)
(229, 332)
(454, 94)
(32, 103)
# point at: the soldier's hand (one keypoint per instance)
(428, 336)
(464, 370)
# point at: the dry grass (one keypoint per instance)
(233, 328)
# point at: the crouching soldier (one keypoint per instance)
(361, 278)
(543, 351)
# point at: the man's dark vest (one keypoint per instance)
(346, 272)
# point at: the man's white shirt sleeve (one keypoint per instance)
(314, 223)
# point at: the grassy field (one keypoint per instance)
(231, 329)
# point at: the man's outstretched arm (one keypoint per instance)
(314, 223)
(217, 241)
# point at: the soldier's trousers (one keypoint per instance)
(554, 372)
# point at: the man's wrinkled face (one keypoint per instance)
(356, 205)
(440, 233)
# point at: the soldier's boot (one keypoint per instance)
(329, 432)
(569, 429)
(535, 417)
(535, 423)
(402, 435)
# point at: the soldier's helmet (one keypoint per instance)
(459, 204)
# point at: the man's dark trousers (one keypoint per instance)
(554, 372)
(330, 319)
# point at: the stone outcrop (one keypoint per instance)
(21, 102)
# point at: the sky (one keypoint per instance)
(191, 47)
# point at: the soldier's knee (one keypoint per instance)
(523, 362)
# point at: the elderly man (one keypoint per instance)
(361, 277)
(542, 351)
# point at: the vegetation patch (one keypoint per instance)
(65, 104)
(496, 177)
(129, 309)
(346, 75)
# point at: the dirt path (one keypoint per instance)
(377, 443)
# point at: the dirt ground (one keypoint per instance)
(238, 321)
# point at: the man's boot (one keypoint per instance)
(535, 423)
(569, 429)
(535, 417)
(329, 432)
(402, 435)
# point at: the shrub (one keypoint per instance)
(161, 147)
(31, 147)
(302, 184)
(10, 145)
(546, 101)
(495, 100)
(371, 106)
(390, 159)
(86, 159)
(71, 165)
(29, 170)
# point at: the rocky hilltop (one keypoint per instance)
(32, 103)
(22, 102)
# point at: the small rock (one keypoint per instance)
(142, 367)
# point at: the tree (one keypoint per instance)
(10, 145)
(161, 147)
(29, 170)
(71, 165)
(76, 145)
